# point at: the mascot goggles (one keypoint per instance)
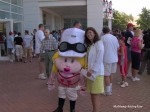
(77, 47)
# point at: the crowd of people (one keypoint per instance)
(129, 50)
(22, 48)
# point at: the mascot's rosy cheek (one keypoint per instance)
(68, 65)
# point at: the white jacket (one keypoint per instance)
(95, 58)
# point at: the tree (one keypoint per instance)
(120, 20)
(144, 19)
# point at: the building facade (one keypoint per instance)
(11, 19)
(20, 15)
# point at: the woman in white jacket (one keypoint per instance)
(95, 66)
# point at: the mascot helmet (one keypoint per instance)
(72, 43)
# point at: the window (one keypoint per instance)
(4, 6)
(17, 27)
(16, 17)
(6, 1)
(4, 15)
(17, 2)
(16, 9)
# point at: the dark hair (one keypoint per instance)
(106, 29)
(26, 31)
(75, 23)
(96, 38)
(41, 25)
(35, 30)
(134, 28)
(123, 33)
(19, 34)
(15, 32)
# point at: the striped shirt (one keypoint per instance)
(49, 44)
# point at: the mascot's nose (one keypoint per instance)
(66, 69)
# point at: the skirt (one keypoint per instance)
(95, 87)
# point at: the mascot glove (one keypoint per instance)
(51, 87)
(82, 92)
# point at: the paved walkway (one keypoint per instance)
(22, 91)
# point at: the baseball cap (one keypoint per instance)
(130, 25)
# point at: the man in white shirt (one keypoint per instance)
(39, 36)
(111, 46)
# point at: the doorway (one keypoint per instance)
(3, 39)
(5, 27)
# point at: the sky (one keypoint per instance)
(133, 7)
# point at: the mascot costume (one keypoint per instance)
(68, 62)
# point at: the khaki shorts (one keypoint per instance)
(19, 50)
(28, 52)
(109, 68)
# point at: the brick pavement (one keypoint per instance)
(22, 91)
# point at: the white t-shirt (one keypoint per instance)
(39, 36)
(111, 46)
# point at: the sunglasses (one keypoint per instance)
(77, 47)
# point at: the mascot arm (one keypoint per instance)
(51, 81)
(52, 78)
(82, 85)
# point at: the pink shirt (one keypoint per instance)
(134, 44)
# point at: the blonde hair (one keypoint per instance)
(82, 61)
(137, 32)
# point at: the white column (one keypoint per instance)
(53, 22)
(110, 24)
(95, 14)
(32, 15)
(11, 25)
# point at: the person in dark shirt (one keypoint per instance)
(33, 34)
(18, 41)
(145, 61)
(128, 35)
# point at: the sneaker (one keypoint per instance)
(125, 84)
(107, 93)
(42, 76)
(135, 79)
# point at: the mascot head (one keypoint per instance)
(70, 57)
(72, 43)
